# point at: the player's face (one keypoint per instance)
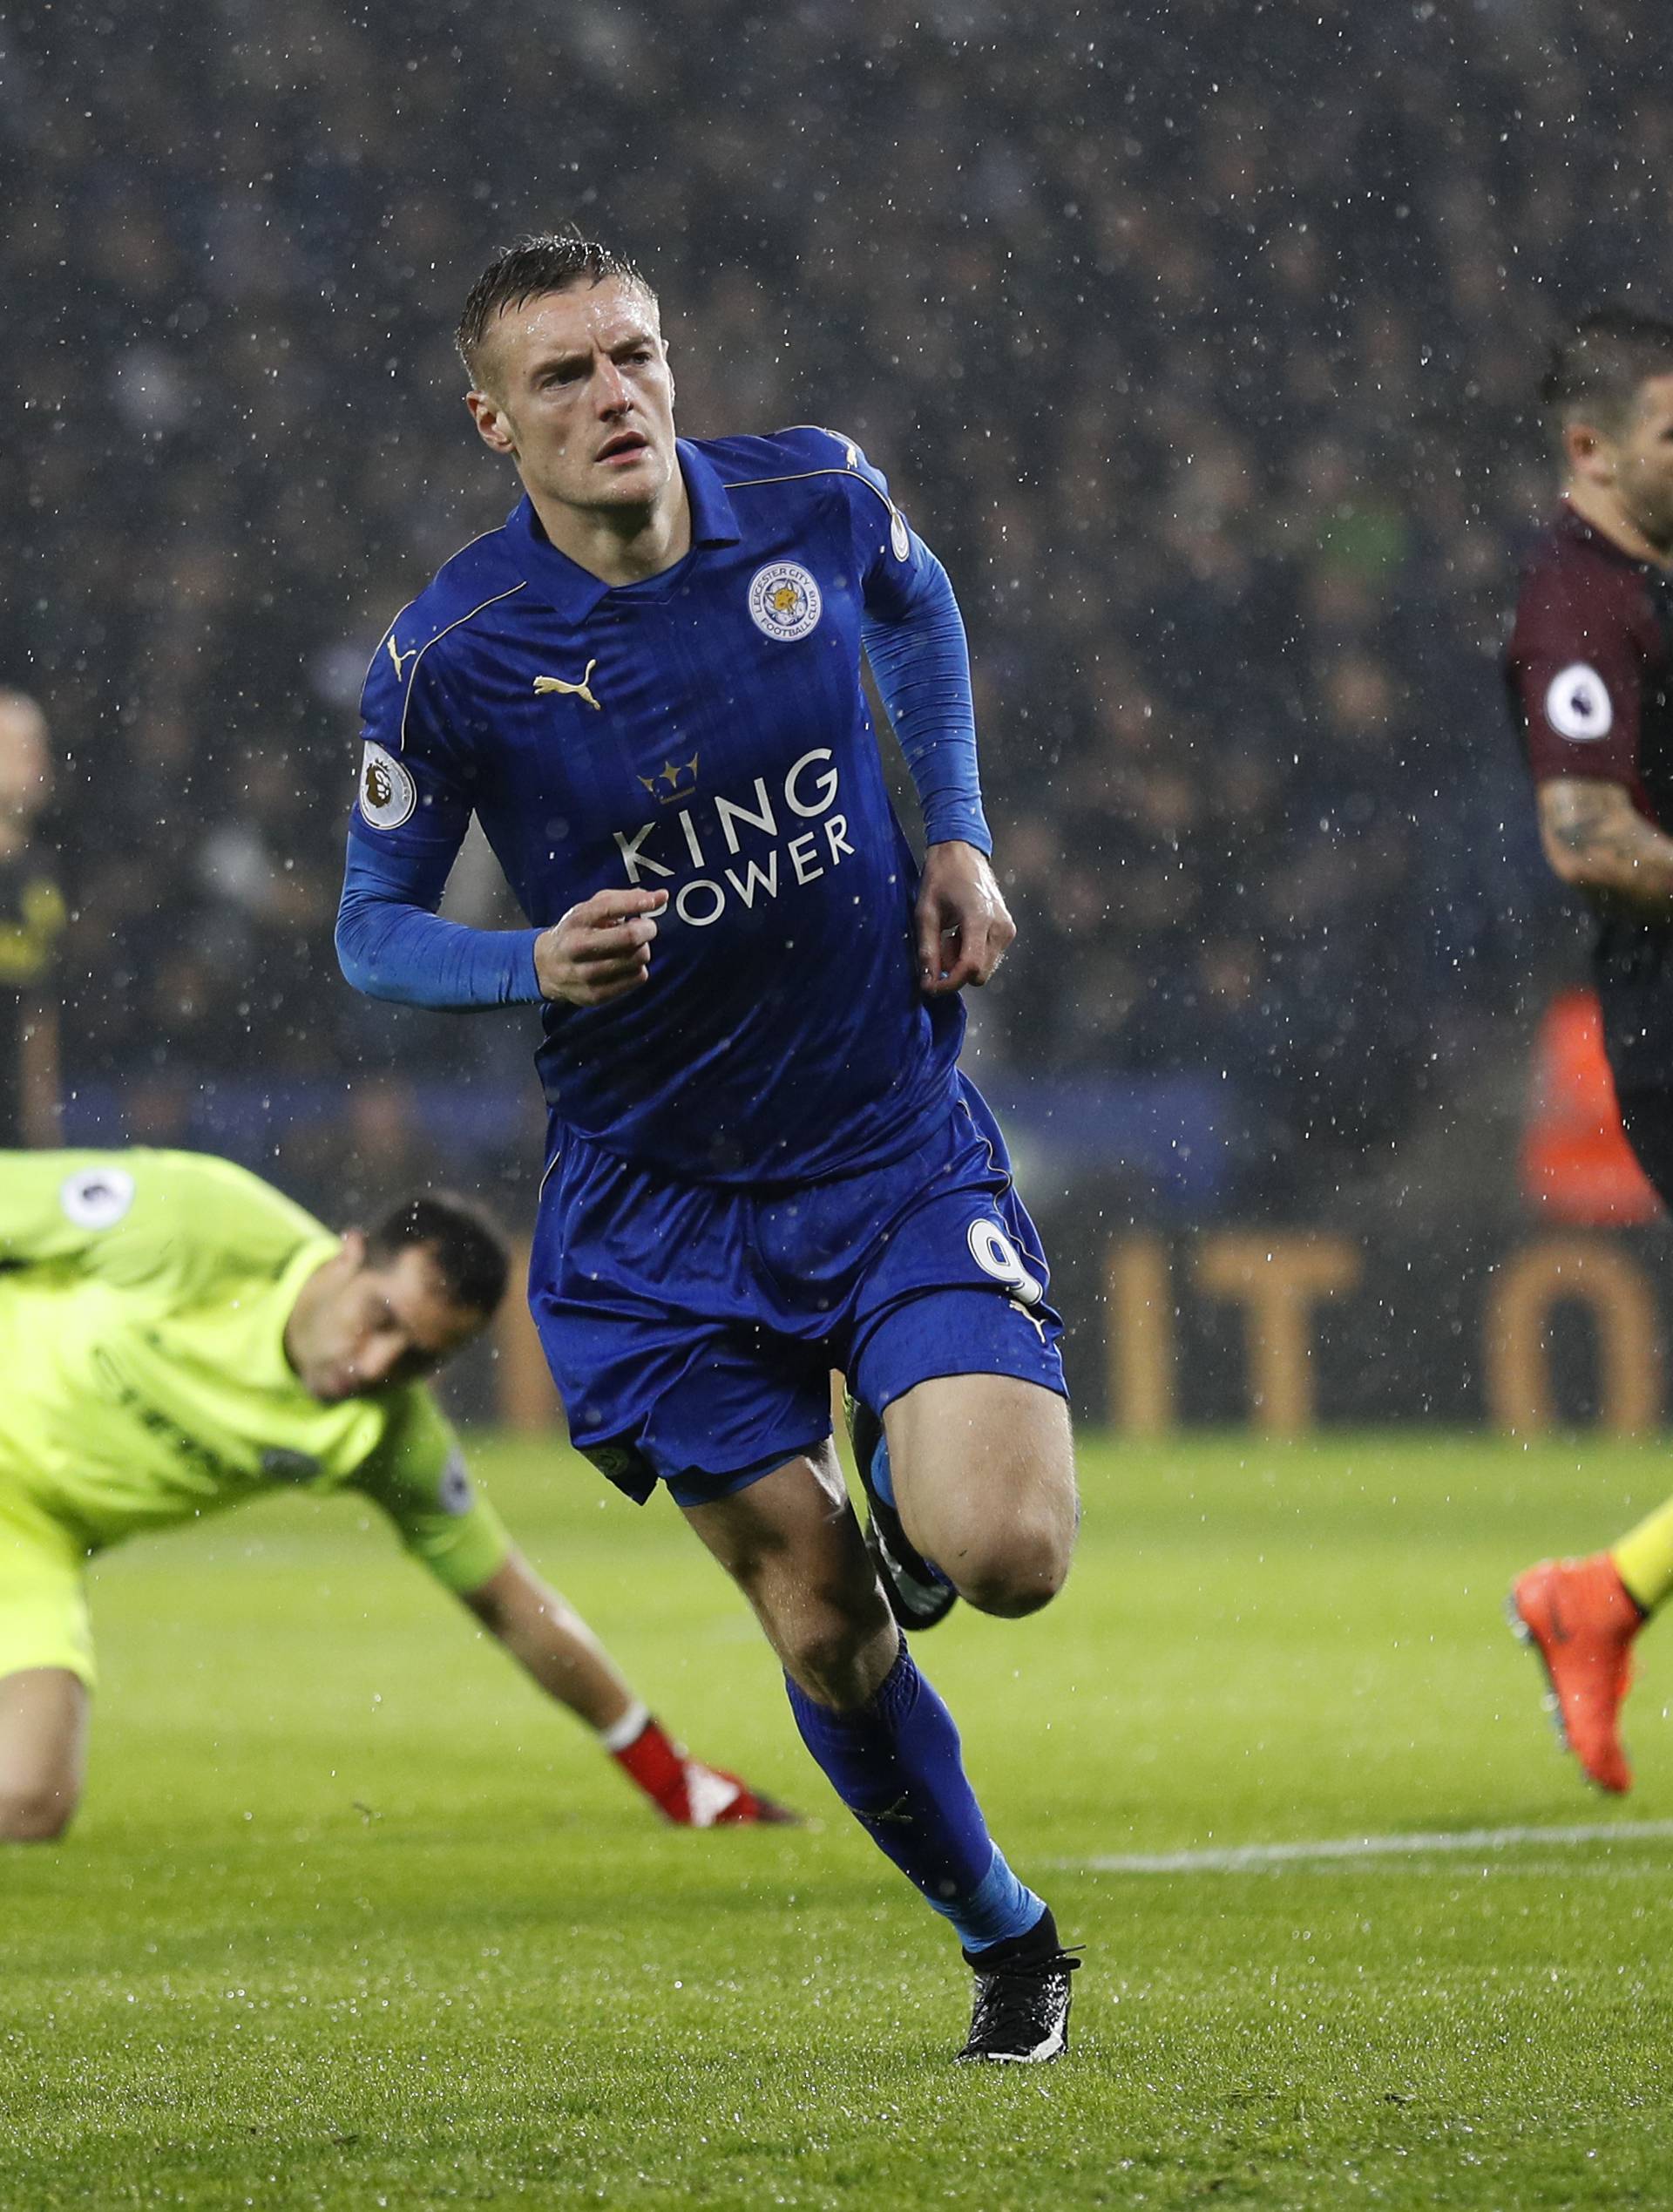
(359, 1326)
(1634, 467)
(577, 391)
(1643, 463)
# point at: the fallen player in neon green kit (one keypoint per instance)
(175, 1336)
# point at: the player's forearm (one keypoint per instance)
(552, 1643)
(416, 958)
(391, 945)
(1597, 840)
(921, 663)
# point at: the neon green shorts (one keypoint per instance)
(42, 1593)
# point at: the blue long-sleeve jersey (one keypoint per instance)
(704, 732)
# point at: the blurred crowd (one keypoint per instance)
(1199, 340)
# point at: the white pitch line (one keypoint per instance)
(1244, 1858)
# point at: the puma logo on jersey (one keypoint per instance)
(411, 654)
(1039, 1327)
(543, 684)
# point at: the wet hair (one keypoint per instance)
(468, 1250)
(552, 261)
(1597, 367)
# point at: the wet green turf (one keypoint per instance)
(352, 1919)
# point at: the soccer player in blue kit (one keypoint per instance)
(763, 1163)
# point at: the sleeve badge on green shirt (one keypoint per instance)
(96, 1198)
(454, 1489)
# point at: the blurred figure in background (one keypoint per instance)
(1590, 671)
(31, 922)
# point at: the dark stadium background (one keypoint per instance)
(1199, 340)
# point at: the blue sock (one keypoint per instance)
(894, 1763)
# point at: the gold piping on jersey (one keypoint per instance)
(440, 634)
(801, 476)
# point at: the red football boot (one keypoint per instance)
(692, 1794)
(1580, 1619)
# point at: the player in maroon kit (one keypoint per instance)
(1590, 670)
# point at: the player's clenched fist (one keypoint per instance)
(601, 949)
(964, 925)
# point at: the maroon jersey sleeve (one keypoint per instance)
(1576, 665)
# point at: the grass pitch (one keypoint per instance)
(353, 1919)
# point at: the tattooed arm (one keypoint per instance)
(1596, 838)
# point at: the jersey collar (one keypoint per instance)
(575, 591)
(1571, 521)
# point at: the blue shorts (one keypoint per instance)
(691, 1329)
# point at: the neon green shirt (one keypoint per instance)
(143, 1377)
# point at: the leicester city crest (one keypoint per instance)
(784, 601)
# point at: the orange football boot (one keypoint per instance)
(1580, 1619)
